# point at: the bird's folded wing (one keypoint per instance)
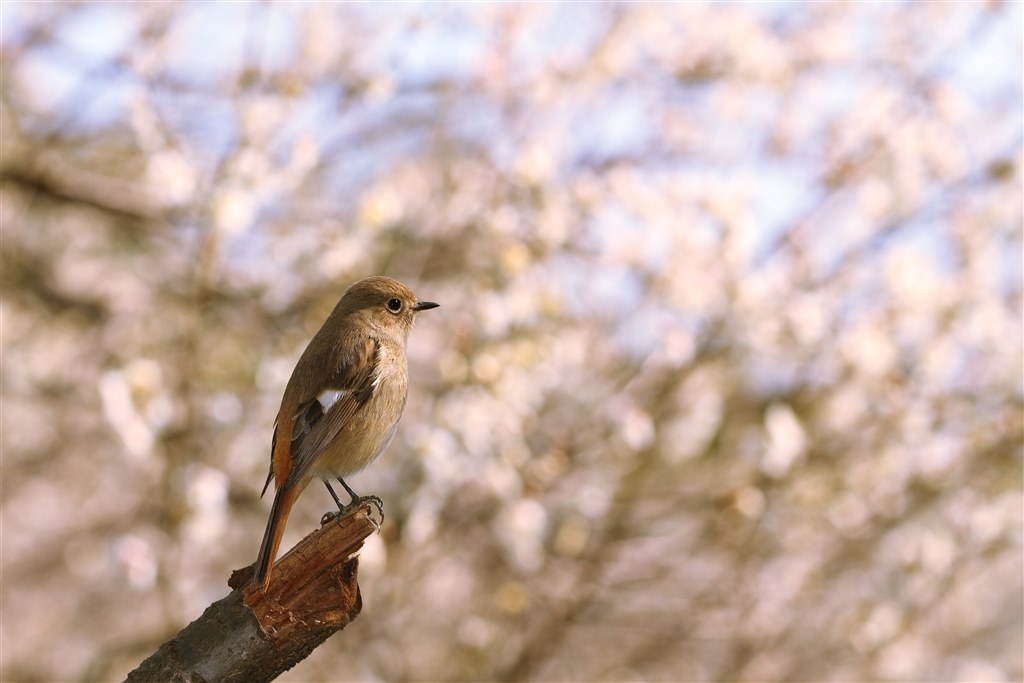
(319, 418)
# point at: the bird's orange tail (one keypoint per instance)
(283, 500)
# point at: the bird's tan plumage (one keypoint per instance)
(356, 363)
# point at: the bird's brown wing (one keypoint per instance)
(315, 427)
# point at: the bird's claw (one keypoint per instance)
(373, 500)
(359, 502)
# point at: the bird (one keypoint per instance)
(341, 406)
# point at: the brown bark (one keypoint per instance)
(251, 635)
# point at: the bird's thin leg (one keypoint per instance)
(358, 500)
(334, 495)
(328, 516)
(349, 489)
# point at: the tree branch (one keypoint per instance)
(254, 636)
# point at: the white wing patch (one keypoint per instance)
(328, 397)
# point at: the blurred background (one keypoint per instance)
(726, 384)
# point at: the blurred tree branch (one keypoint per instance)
(59, 182)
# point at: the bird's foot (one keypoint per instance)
(371, 501)
(358, 502)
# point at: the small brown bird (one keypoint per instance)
(343, 401)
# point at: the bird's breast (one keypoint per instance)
(369, 432)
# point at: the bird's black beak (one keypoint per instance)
(424, 305)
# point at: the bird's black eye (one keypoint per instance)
(395, 305)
